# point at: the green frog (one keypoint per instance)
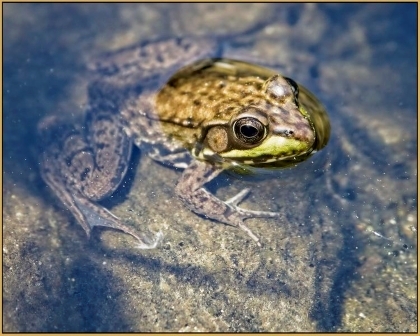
(187, 107)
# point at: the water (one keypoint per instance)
(343, 257)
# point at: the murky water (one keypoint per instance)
(343, 257)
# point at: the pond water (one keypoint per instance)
(343, 255)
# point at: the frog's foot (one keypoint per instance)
(238, 198)
(145, 242)
(238, 215)
(191, 191)
(148, 243)
(90, 214)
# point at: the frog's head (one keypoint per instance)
(272, 129)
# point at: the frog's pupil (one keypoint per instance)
(249, 131)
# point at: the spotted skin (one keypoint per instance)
(182, 106)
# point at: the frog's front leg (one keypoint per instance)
(190, 189)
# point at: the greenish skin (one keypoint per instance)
(185, 109)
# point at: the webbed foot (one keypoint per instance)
(240, 214)
(190, 189)
(90, 214)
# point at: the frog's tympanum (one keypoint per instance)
(186, 107)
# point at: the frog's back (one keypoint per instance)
(203, 96)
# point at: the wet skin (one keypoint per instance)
(185, 107)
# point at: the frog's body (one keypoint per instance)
(211, 115)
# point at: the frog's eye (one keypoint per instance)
(249, 130)
(293, 85)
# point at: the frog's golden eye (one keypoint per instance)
(249, 130)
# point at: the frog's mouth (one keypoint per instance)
(274, 148)
(274, 152)
(269, 161)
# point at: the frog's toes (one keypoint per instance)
(150, 243)
(238, 214)
(243, 227)
(245, 213)
(235, 200)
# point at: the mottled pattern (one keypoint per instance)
(147, 62)
(70, 169)
(198, 199)
(130, 101)
(205, 93)
(323, 266)
(203, 97)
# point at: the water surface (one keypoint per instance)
(343, 256)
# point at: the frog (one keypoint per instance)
(185, 106)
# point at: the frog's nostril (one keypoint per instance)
(286, 133)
